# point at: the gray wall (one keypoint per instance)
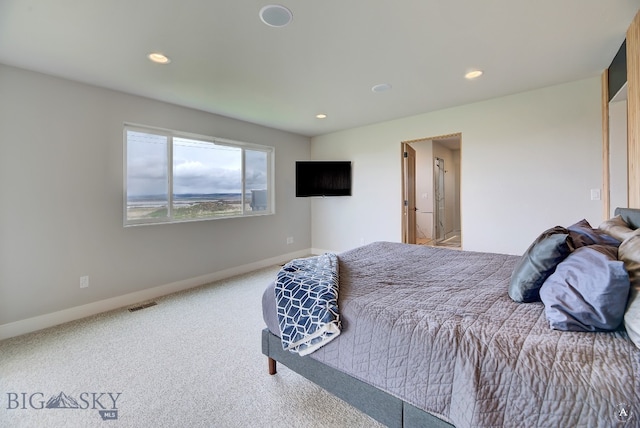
(61, 193)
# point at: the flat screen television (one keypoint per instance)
(323, 178)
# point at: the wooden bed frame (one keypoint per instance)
(381, 406)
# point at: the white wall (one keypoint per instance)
(618, 176)
(61, 193)
(528, 163)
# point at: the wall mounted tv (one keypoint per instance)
(323, 178)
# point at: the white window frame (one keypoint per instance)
(171, 134)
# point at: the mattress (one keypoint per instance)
(435, 327)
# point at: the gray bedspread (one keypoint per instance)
(436, 328)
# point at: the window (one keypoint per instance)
(176, 177)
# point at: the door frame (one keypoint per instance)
(405, 217)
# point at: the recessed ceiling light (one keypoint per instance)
(474, 74)
(275, 15)
(159, 58)
(382, 87)
(321, 116)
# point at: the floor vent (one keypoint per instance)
(142, 306)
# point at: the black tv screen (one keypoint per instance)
(323, 178)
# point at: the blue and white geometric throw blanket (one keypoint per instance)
(307, 303)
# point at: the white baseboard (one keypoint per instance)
(40, 322)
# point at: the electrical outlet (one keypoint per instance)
(289, 240)
(84, 281)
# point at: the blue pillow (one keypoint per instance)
(538, 262)
(587, 292)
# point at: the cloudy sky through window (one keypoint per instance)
(198, 167)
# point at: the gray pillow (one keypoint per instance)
(583, 234)
(587, 292)
(538, 262)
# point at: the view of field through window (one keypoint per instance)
(205, 181)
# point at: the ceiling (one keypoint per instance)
(225, 60)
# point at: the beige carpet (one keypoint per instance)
(193, 360)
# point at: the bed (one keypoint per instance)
(432, 337)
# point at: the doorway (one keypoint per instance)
(431, 191)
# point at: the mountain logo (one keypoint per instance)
(62, 401)
(106, 403)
